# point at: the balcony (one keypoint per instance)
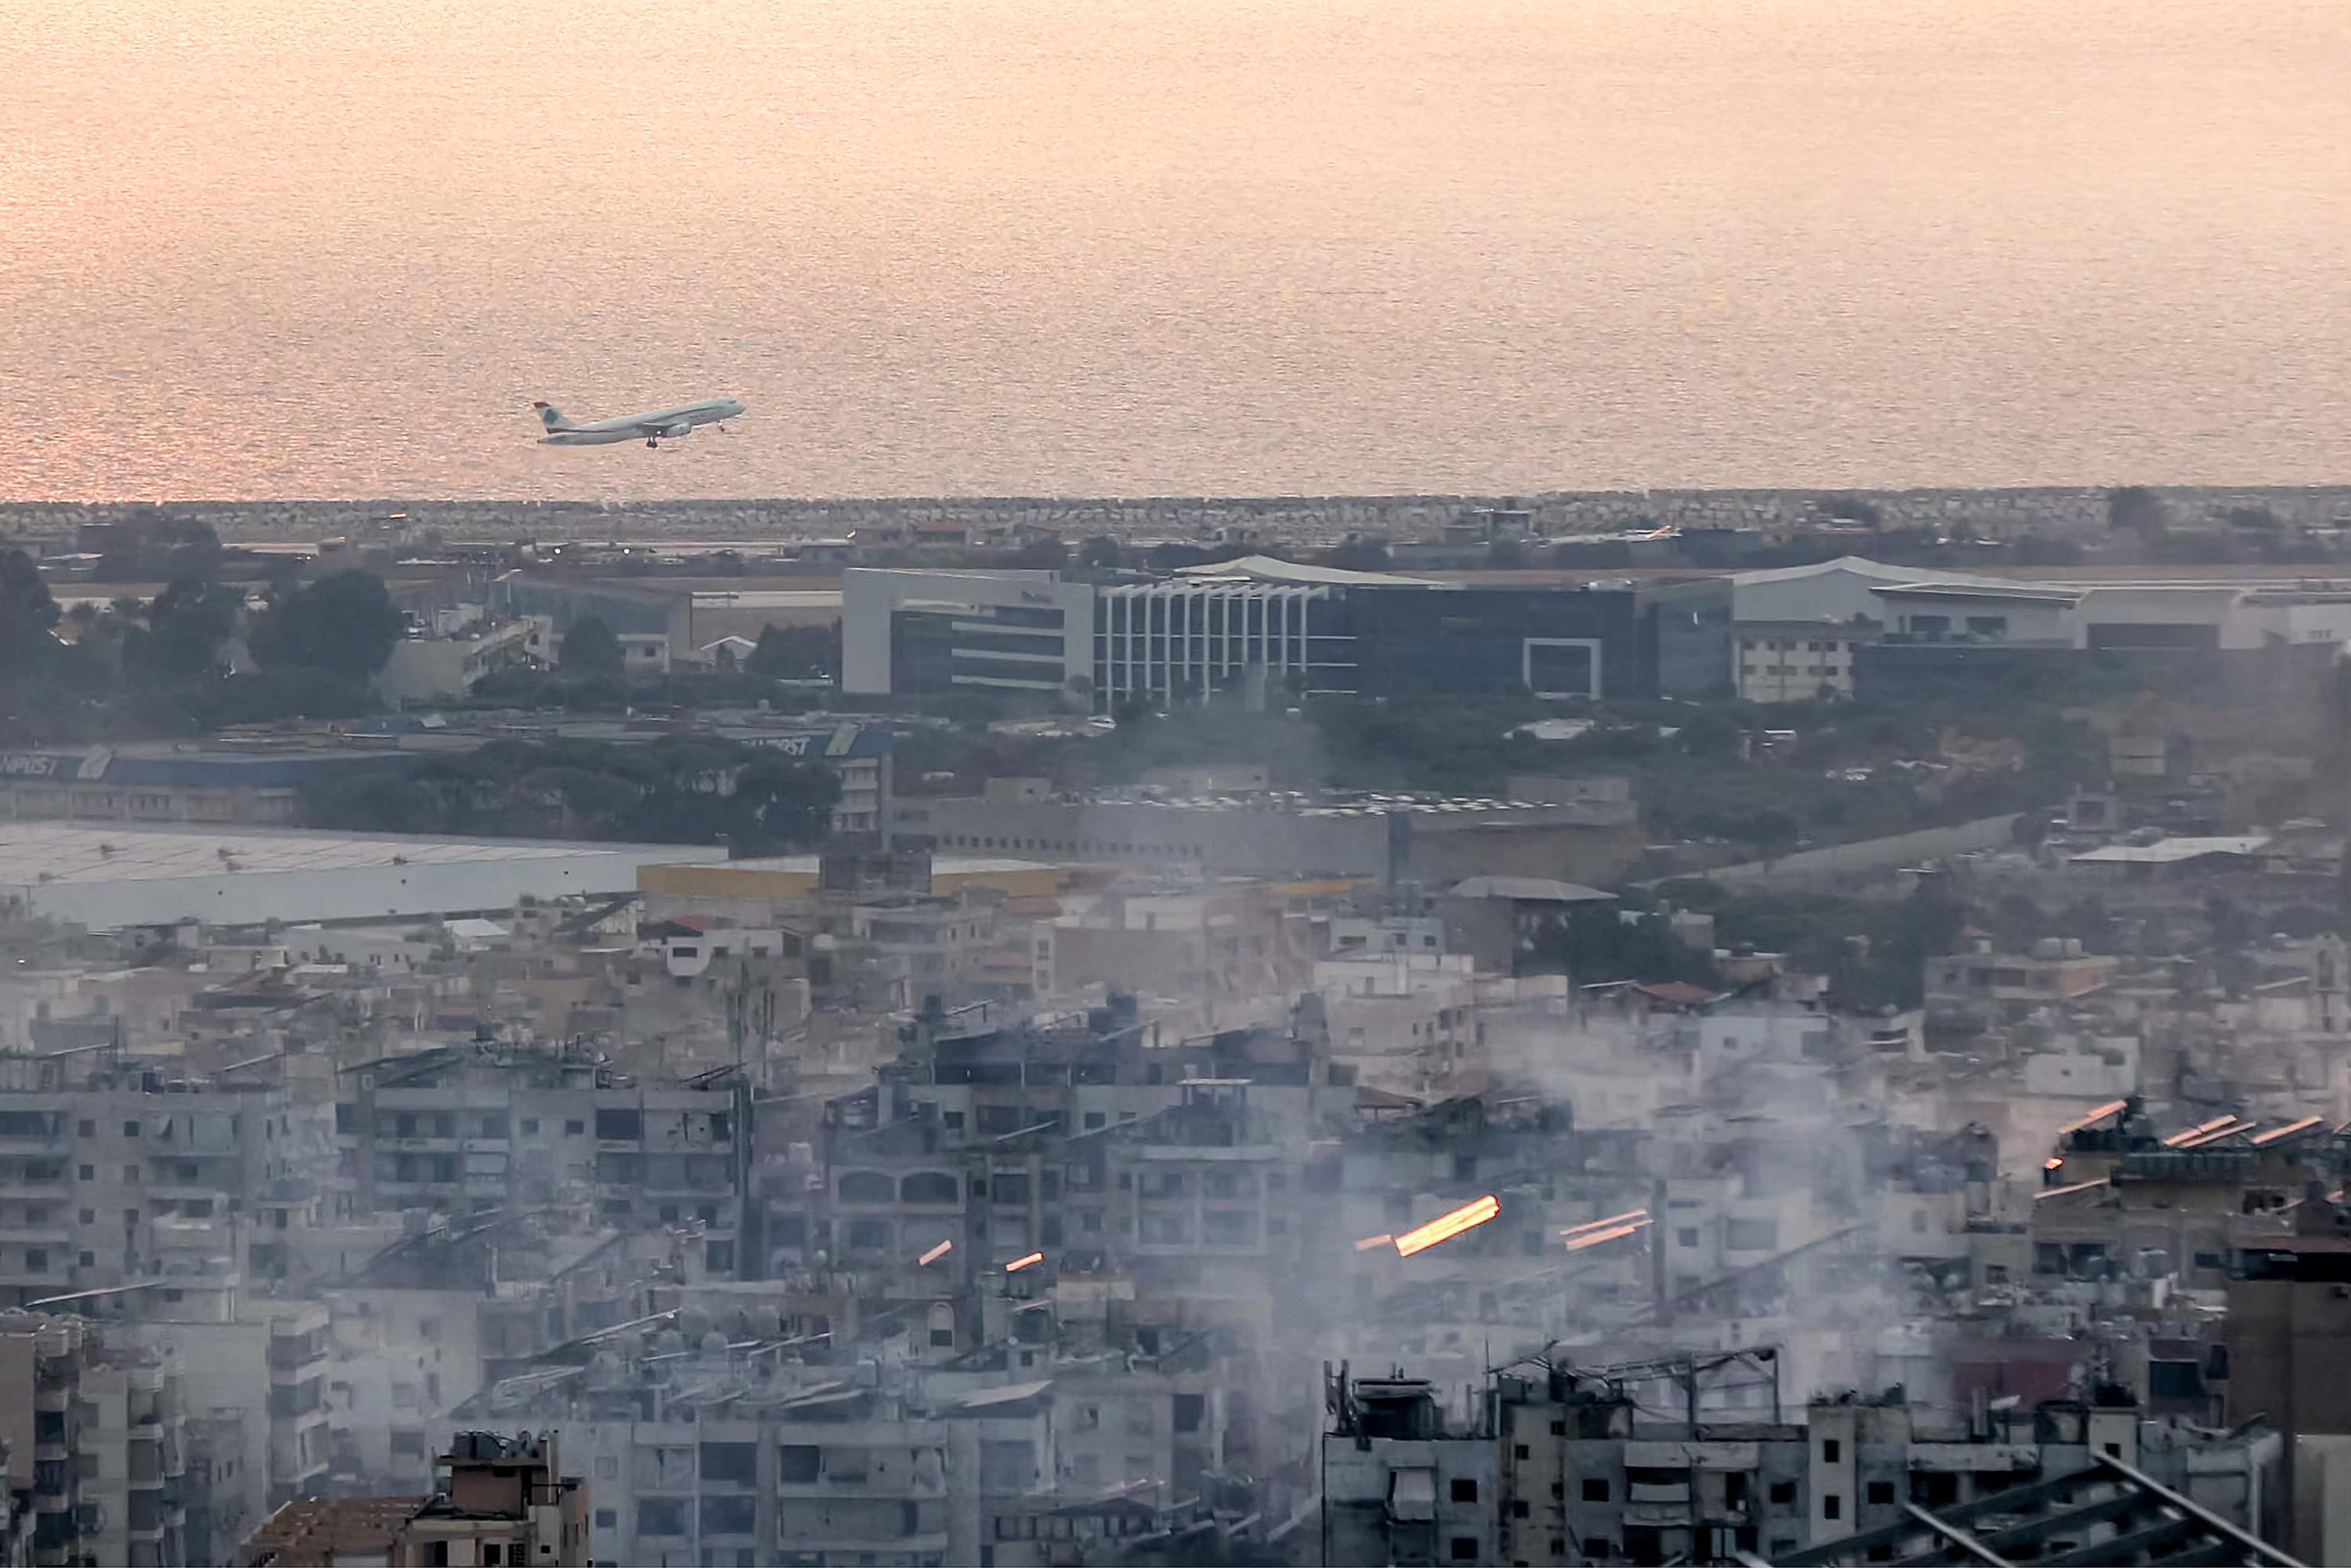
(38, 1188)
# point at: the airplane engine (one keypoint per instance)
(677, 432)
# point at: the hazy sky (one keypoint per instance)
(253, 248)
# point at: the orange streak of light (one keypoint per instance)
(1020, 1263)
(1445, 1226)
(2053, 1164)
(1594, 1238)
(1368, 1242)
(936, 1253)
(1627, 1218)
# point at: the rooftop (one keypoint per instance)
(309, 1529)
(1531, 890)
(51, 853)
(1265, 568)
(2166, 851)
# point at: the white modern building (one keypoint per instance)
(930, 633)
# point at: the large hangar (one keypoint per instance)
(108, 876)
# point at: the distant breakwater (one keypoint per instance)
(2073, 511)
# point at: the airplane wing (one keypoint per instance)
(672, 428)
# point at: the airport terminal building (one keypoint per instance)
(1289, 629)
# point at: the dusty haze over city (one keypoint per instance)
(1039, 246)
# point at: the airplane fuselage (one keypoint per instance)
(650, 427)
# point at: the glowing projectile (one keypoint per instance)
(934, 1254)
(1020, 1263)
(1445, 1227)
(1595, 1238)
(2053, 1164)
(1368, 1242)
(1630, 1216)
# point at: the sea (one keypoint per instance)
(334, 248)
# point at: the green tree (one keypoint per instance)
(2134, 508)
(592, 648)
(344, 624)
(187, 625)
(784, 803)
(796, 652)
(28, 616)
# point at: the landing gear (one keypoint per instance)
(653, 442)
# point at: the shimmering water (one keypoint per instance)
(333, 247)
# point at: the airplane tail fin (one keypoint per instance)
(552, 417)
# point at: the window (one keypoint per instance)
(89, 1128)
(607, 1519)
(574, 1127)
(1686, 1236)
(1522, 1452)
(1831, 1452)
(869, 1235)
(1465, 1489)
(1190, 1408)
(729, 1515)
(930, 1187)
(661, 1516)
(1465, 1549)
(1596, 1488)
(737, 1463)
(36, 1260)
(530, 1130)
(866, 1186)
(1881, 1494)
(798, 1464)
(1832, 1506)
(1783, 1494)
(88, 1173)
(620, 1126)
(1095, 1120)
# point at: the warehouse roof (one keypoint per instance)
(107, 876)
(39, 854)
(2167, 851)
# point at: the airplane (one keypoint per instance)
(672, 423)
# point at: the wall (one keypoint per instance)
(2047, 509)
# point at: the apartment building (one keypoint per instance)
(505, 1502)
(1077, 1139)
(716, 1452)
(92, 1426)
(96, 1180)
(466, 1130)
(1558, 1464)
(259, 1376)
